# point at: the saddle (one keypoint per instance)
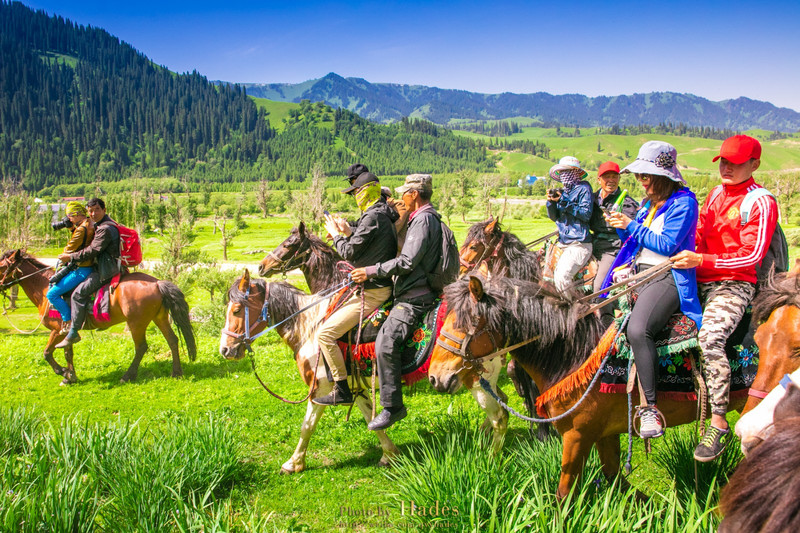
(417, 351)
(584, 277)
(101, 308)
(678, 349)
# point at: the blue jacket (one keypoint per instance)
(680, 222)
(572, 214)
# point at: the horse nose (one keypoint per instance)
(261, 270)
(433, 381)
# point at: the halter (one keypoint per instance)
(6, 284)
(263, 317)
(284, 265)
(495, 253)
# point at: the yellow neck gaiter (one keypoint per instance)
(367, 195)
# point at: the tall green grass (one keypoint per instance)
(516, 490)
(76, 476)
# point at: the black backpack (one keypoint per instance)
(447, 267)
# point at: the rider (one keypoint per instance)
(373, 240)
(413, 296)
(726, 259)
(74, 273)
(105, 251)
(664, 225)
(571, 210)
(605, 241)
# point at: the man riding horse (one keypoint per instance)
(105, 250)
(373, 240)
(413, 296)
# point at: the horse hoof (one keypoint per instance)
(177, 375)
(384, 463)
(291, 468)
(127, 379)
(68, 381)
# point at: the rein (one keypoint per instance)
(7, 284)
(630, 284)
(461, 349)
(542, 239)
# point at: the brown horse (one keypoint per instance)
(498, 253)
(512, 311)
(138, 300)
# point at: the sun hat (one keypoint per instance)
(658, 158)
(416, 182)
(567, 162)
(608, 166)
(354, 171)
(739, 148)
(361, 180)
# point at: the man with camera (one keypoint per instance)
(105, 251)
(73, 273)
(571, 209)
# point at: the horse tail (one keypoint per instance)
(528, 390)
(175, 302)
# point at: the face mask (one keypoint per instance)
(367, 195)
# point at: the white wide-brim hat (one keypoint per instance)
(658, 158)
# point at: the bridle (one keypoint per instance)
(285, 265)
(483, 257)
(263, 318)
(11, 272)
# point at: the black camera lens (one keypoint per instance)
(61, 224)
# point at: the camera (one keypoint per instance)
(61, 224)
(555, 191)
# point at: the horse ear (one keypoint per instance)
(245, 281)
(16, 255)
(301, 228)
(490, 226)
(476, 288)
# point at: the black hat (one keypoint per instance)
(363, 179)
(356, 170)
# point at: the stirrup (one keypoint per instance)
(638, 415)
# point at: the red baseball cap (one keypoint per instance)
(608, 166)
(739, 148)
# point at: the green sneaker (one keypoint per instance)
(712, 445)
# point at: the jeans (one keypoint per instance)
(67, 283)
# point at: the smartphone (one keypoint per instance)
(325, 212)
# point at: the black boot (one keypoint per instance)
(340, 395)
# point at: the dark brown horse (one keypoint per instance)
(512, 311)
(489, 249)
(138, 300)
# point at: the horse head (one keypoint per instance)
(245, 316)
(471, 331)
(482, 244)
(289, 255)
(782, 403)
(10, 263)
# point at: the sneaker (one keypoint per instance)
(712, 445)
(71, 338)
(340, 395)
(650, 423)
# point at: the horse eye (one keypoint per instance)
(237, 308)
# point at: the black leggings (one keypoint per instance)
(657, 302)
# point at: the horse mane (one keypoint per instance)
(323, 260)
(777, 291)
(770, 474)
(523, 310)
(25, 256)
(522, 263)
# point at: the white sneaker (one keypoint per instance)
(650, 423)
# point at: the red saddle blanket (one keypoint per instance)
(101, 310)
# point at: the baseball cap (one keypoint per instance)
(354, 171)
(739, 148)
(361, 180)
(608, 166)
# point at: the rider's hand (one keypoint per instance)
(686, 259)
(617, 220)
(331, 227)
(65, 258)
(359, 275)
(553, 197)
(343, 226)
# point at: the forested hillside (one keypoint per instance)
(79, 105)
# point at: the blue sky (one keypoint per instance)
(717, 50)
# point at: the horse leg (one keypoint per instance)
(139, 335)
(496, 416)
(162, 321)
(297, 462)
(55, 338)
(576, 448)
(69, 375)
(609, 451)
(389, 448)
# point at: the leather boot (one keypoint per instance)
(340, 395)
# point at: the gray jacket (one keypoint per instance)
(418, 258)
(104, 249)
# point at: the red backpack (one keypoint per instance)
(130, 246)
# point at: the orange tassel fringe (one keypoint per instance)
(580, 377)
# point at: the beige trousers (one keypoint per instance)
(342, 321)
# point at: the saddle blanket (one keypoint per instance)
(674, 368)
(102, 302)
(418, 349)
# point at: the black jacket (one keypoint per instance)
(104, 249)
(374, 240)
(418, 258)
(604, 237)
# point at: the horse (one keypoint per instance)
(756, 425)
(299, 333)
(138, 300)
(566, 349)
(319, 264)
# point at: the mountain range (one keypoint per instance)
(389, 102)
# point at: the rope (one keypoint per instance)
(5, 314)
(629, 455)
(488, 388)
(281, 398)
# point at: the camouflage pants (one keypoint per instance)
(724, 304)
